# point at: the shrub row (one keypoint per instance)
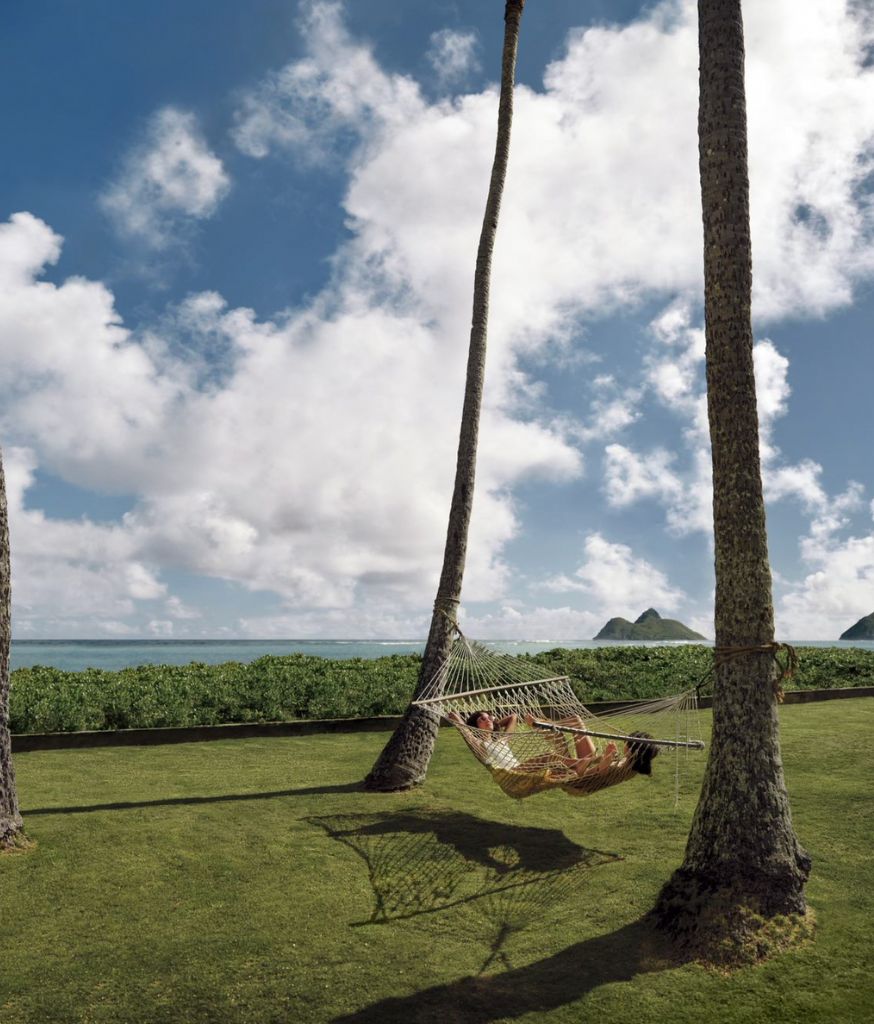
(299, 686)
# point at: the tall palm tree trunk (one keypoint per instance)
(10, 818)
(743, 864)
(404, 760)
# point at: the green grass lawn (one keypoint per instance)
(252, 881)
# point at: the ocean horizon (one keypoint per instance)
(114, 654)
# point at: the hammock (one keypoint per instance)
(539, 753)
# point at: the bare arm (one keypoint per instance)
(507, 724)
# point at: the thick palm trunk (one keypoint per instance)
(743, 863)
(10, 818)
(404, 760)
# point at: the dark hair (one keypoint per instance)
(640, 755)
(473, 717)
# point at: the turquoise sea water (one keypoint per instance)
(74, 655)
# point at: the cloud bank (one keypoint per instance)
(317, 465)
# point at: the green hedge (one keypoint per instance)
(298, 686)
(607, 673)
(267, 690)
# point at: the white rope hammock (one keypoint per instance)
(544, 728)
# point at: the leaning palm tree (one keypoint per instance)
(744, 868)
(10, 817)
(404, 760)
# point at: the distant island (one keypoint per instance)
(649, 626)
(863, 629)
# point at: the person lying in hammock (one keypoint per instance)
(497, 752)
(587, 764)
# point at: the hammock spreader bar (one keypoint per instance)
(424, 701)
(552, 727)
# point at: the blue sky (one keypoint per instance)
(236, 260)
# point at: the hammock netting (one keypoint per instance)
(540, 751)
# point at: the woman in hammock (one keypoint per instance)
(588, 764)
(497, 752)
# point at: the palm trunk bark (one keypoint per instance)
(10, 817)
(743, 864)
(404, 761)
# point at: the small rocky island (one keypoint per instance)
(863, 629)
(648, 626)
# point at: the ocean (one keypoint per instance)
(74, 655)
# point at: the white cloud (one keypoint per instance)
(78, 388)
(811, 103)
(374, 620)
(142, 584)
(840, 588)
(319, 468)
(610, 412)
(616, 580)
(576, 200)
(544, 624)
(26, 246)
(801, 480)
(351, 483)
(71, 577)
(629, 476)
(702, 624)
(772, 387)
(105, 627)
(674, 367)
(831, 517)
(178, 609)
(674, 373)
(169, 178)
(577, 203)
(339, 86)
(452, 55)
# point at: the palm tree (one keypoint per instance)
(743, 865)
(404, 760)
(10, 818)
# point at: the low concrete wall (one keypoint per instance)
(146, 737)
(194, 734)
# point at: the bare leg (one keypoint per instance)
(584, 744)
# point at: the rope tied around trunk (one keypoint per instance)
(450, 618)
(724, 655)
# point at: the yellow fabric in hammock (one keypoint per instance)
(522, 782)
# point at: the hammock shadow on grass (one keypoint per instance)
(507, 876)
(539, 987)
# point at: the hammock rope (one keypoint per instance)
(551, 743)
(724, 655)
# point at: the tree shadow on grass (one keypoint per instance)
(184, 801)
(539, 987)
(506, 877)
